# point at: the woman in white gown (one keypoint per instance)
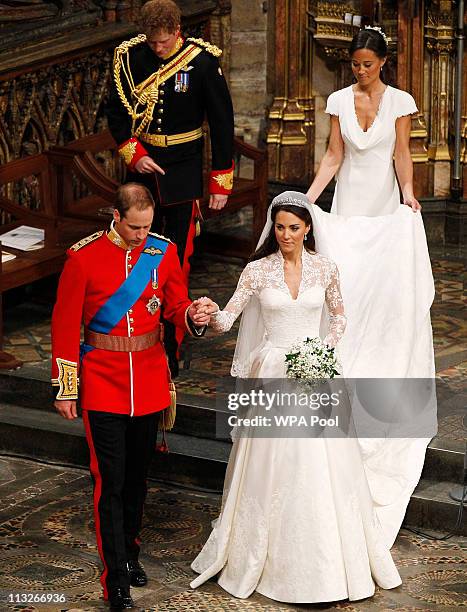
(380, 249)
(297, 522)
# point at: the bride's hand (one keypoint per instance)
(413, 203)
(202, 309)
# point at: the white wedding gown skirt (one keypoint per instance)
(387, 287)
(297, 524)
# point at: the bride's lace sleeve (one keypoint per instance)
(337, 319)
(248, 284)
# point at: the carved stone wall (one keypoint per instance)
(439, 41)
(248, 76)
(53, 105)
(291, 117)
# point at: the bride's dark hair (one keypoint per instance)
(374, 41)
(270, 245)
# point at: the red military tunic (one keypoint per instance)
(135, 383)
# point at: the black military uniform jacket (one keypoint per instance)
(157, 108)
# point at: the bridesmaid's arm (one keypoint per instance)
(403, 162)
(330, 163)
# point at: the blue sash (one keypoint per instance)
(118, 304)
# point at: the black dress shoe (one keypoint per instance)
(137, 574)
(120, 599)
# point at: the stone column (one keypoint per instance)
(291, 117)
(464, 125)
(410, 77)
(248, 68)
(439, 36)
(220, 32)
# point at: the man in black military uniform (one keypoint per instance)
(163, 89)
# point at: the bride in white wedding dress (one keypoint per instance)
(297, 522)
(380, 249)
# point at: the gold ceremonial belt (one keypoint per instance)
(161, 140)
(123, 344)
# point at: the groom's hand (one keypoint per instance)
(67, 408)
(200, 311)
(207, 306)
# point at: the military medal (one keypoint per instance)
(182, 80)
(154, 282)
(153, 305)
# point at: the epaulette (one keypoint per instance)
(127, 44)
(84, 241)
(160, 237)
(207, 46)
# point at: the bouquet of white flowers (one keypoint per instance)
(311, 361)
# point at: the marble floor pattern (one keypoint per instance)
(47, 545)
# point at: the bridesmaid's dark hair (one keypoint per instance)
(369, 39)
(270, 245)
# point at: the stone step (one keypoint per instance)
(431, 507)
(192, 461)
(442, 464)
(30, 388)
(196, 418)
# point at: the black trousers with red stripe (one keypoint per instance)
(121, 448)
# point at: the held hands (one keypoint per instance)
(145, 164)
(217, 201)
(67, 408)
(412, 202)
(201, 310)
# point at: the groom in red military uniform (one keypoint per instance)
(163, 89)
(116, 282)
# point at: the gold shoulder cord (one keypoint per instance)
(121, 52)
(212, 49)
(147, 92)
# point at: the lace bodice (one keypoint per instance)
(285, 319)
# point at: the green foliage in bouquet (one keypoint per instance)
(311, 361)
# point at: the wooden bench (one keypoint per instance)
(81, 159)
(73, 195)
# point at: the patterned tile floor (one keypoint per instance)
(47, 546)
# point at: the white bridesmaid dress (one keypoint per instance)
(387, 285)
